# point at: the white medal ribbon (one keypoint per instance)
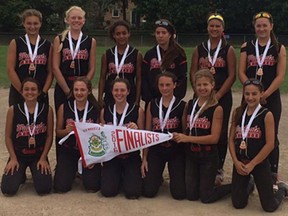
(213, 61)
(159, 54)
(76, 120)
(117, 65)
(193, 117)
(74, 52)
(245, 132)
(34, 54)
(122, 117)
(31, 132)
(261, 61)
(161, 121)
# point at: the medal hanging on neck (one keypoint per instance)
(162, 121)
(72, 51)
(118, 66)
(261, 61)
(193, 117)
(31, 139)
(85, 112)
(32, 55)
(215, 56)
(115, 120)
(245, 130)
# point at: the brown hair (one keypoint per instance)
(30, 12)
(174, 48)
(123, 80)
(219, 17)
(166, 74)
(33, 80)
(115, 25)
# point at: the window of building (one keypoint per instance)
(115, 13)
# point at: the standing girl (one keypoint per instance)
(164, 115)
(167, 55)
(82, 107)
(265, 59)
(29, 56)
(28, 138)
(250, 142)
(74, 55)
(202, 119)
(122, 171)
(123, 61)
(217, 55)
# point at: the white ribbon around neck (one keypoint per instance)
(193, 117)
(76, 120)
(162, 121)
(213, 61)
(31, 132)
(245, 131)
(32, 55)
(159, 54)
(117, 65)
(261, 61)
(122, 117)
(72, 50)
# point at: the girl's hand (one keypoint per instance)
(69, 128)
(179, 137)
(249, 168)
(11, 166)
(44, 166)
(132, 125)
(241, 168)
(144, 168)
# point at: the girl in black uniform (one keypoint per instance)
(265, 59)
(123, 170)
(250, 142)
(220, 58)
(202, 119)
(28, 137)
(167, 55)
(29, 56)
(73, 55)
(123, 61)
(164, 115)
(82, 107)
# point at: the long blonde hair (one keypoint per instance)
(65, 32)
(212, 101)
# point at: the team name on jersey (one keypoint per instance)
(204, 63)
(202, 123)
(254, 132)
(23, 131)
(81, 54)
(24, 59)
(252, 61)
(155, 64)
(126, 68)
(171, 123)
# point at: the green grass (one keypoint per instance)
(4, 82)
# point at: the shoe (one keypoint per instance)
(219, 177)
(275, 181)
(283, 185)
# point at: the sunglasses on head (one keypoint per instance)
(262, 14)
(215, 16)
(252, 81)
(161, 23)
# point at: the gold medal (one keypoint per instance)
(260, 72)
(243, 145)
(72, 65)
(32, 142)
(212, 70)
(32, 67)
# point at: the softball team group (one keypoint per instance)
(196, 154)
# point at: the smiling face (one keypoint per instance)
(215, 28)
(32, 25)
(121, 35)
(162, 36)
(204, 86)
(80, 91)
(166, 86)
(252, 95)
(75, 19)
(263, 27)
(30, 91)
(120, 92)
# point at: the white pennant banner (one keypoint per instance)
(102, 143)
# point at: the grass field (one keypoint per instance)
(4, 82)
